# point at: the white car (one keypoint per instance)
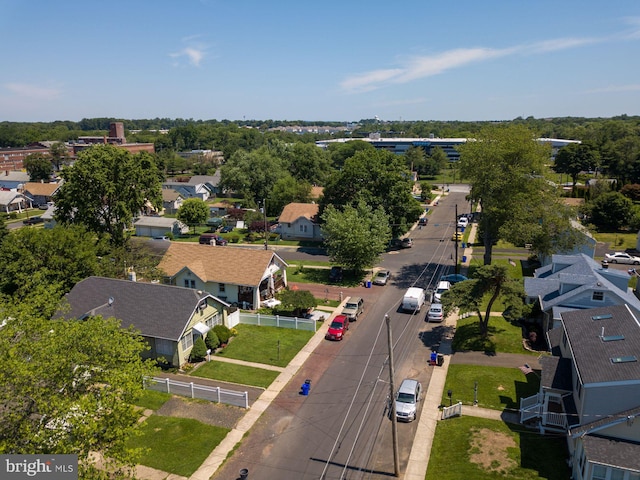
(436, 313)
(443, 286)
(622, 257)
(463, 222)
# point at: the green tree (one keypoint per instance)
(300, 301)
(59, 155)
(356, 236)
(436, 162)
(503, 166)
(340, 152)
(212, 340)
(575, 158)
(4, 231)
(199, 351)
(39, 167)
(415, 159)
(307, 163)
(105, 188)
(69, 387)
(380, 179)
(488, 280)
(193, 212)
(253, 174)
(57, 257)
(288, 190)
(610, 211)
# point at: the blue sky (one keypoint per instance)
(318, 60)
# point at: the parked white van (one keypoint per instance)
(413, 299)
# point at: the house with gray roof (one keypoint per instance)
(197, 186)
(590, 391)
(171, 200)
(170, 318)
(12, 201)
(13, 180)
(572, 282)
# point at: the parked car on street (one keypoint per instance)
(212, 239)
(435, 313)
(423, 221)
(353, 307)
(407, 399)
(622, 257)
(463, 222)
(443, 286)
(457, 236)
(382, 277)
(335, 274)
(338, 327)
(32, 220)
(454, 278)
(226, 229)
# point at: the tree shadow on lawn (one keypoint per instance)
(468, 338)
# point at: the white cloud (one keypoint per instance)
(33, 91)
(427, 66)
(195, 51)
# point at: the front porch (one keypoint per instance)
(546, 411)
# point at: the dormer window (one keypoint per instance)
(598, 296)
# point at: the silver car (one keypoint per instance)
(381, 277)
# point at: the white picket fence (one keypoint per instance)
(192, 390)
(452, 411)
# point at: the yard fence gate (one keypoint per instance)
(452, 411)
(214, 394)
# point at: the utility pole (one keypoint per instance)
(456, 264)
(394, 422)
(266, 232)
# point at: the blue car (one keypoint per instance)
(454, 278)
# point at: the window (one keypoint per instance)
(303, 229)
(617, 474)
(599, 472)
(189, 283)
(598, 296)
(221, 287)
(212, 321)
(164, 347)
(186, 342)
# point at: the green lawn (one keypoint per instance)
(321, 275)
(229, 372)
(503, 336)
(269, 345)
(618, 241)
(525, 455)
(498, 387)
(176, 445)
(152, 399)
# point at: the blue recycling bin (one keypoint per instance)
(368, 284)
(464, 245)
(464, 259)
(306, 386)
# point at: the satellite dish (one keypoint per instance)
(110, 301)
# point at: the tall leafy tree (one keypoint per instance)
(356, 236)
(610, 211)
(287, 190)
(193, 212)
(59, 155)
(503, 166)
(105, 188)
(488, 280)
(253, 174)
(575, 158)
(307, 163)
(57, 257)
(69, 387)
(380, 179)
(38, 167)
(340, 152)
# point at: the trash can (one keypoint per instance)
(306, 386)
(464, 245)
(440, 359)
(367, 284)
(244, 474)
(464, 259)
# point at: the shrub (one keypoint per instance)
(235, 238)
(212, 340)
(199, 351)
(223, 333)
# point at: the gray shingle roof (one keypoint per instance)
(592, 356)
(160, 311)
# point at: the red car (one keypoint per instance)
(338, 327)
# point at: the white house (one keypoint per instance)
(158, 226)
(299, 221)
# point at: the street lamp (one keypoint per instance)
(266, 233)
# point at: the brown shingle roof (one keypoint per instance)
(293, 211)
(169, 195)
(317, 192)
(42, 189)
(234, 265)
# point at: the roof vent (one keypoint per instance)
(602, 317)
(612, 338)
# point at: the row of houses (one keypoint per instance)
(590, 385)
(204, 286)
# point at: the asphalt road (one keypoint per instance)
(341, 429)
